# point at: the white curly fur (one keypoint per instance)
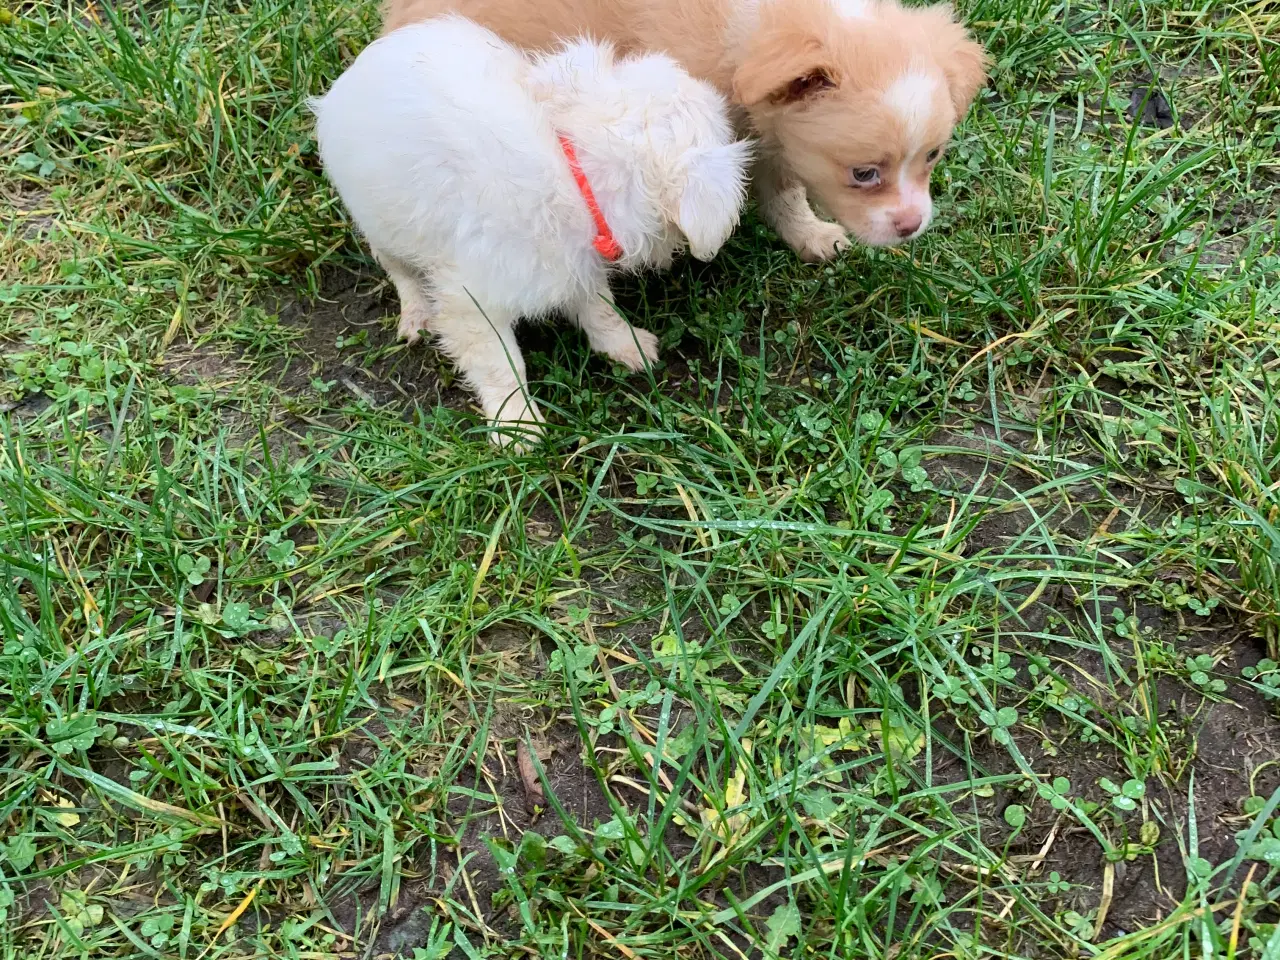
(441, 140)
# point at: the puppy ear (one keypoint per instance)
(713, 195)
(963, 61)
(784, 65)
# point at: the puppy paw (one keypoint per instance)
(517, 431)
(820, 241)
(515, 437)
(632, 347)
(413, 324)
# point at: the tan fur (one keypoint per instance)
(962, 60)
(761, 52)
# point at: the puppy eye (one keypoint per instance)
(865, 176)
(932, 155)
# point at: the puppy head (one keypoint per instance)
(689, 163)
(860, 98)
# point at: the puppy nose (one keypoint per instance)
(907, 223)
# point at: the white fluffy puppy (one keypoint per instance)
(493, 186)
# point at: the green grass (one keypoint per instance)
(919, 606)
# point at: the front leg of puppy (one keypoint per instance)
(609, 334)
(483, 345)
(785, 207)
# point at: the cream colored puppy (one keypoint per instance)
(853, 100)
(493, 186)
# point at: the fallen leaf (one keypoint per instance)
(901, 741)
(67, 818)
(845, 735)
(727, 826)
(534, 798)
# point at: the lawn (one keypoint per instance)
(921, 605)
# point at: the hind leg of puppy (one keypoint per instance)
(417, 308)
(609, 334)
(483, 345)
(784, 204)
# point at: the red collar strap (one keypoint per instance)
(604, 242)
